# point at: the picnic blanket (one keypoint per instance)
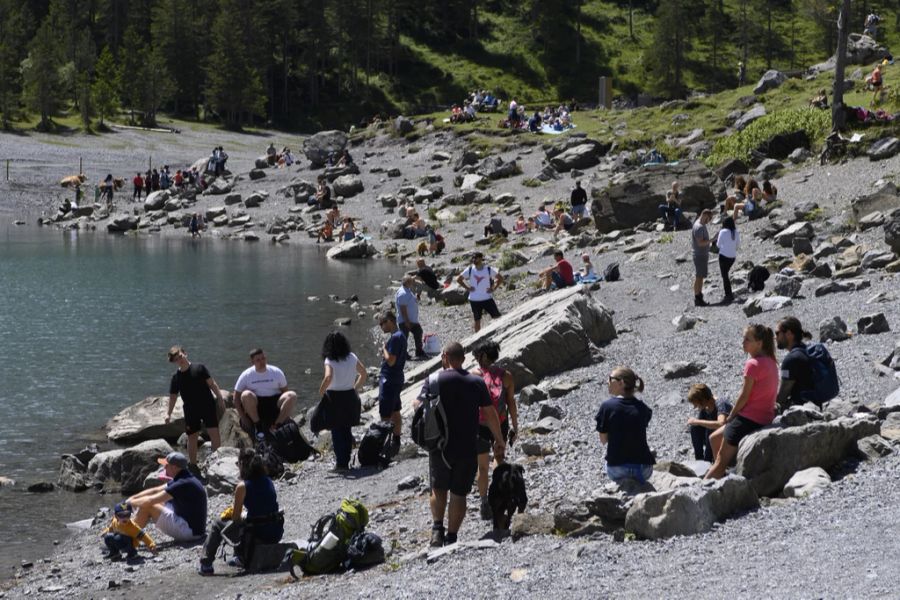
(549, 129)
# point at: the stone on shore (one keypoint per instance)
(807, 482)
(221, 471)
(318, 147)
(144, 421)
(72, 474)
(156, 200)
(356, 248)
(770, 80)
(125, 470)
(122, 223)
(347, 186)
(768, 458)
(690, 509)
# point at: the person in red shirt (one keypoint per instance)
(561, 274)
(138, 182)
(179, 179)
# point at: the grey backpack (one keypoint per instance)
(429, 424)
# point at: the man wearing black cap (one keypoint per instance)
(178, 508)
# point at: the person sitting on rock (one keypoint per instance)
(256, 493)
(820, 101)
(542, 218)
(753, 208)
(564, 221)
(178, 508)
(123, 535)
(346, 160)
(322, 197)
(65, 207)
(560, 275)
(769, 191)
(271, 154)
(326, 232)
(711, 415)
(534, 123)
(671, 211)
(736, 196)
(622, 422)
(348, 229)
(261, 395)
(755, 406)
(287, 158)
(797, 375)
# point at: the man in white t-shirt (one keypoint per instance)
(261, 395)
(481, 281)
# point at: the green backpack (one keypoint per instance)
(327, 546)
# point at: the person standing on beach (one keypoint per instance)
(481, 281)
(196, 387)
(391, 379)
(261, 395)
(408, 314)
(700, 246)
(138, 182)
(579, 201)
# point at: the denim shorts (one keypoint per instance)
(639, 473)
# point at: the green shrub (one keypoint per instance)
(532, 182)
(816, 123)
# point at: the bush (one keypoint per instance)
(816, 123)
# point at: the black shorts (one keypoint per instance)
(484, 306)
(739, 428)
(267, 408)
(388, 398)
(458, 477)
(195, 412)
(486, 438)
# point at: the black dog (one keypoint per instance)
(507, 494)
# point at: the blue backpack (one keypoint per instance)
(824, 374)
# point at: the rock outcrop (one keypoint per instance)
(125, 470)
(221, 471)
(318, 147)
(144, 421)
(770, 457)
(633, 198)
(356, 248)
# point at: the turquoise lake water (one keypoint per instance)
(85, 322)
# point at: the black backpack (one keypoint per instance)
(375, 447)
(611, 272)
(365, 550)
(826, 385)
(271, 459)
(756, 279)
(289, 443)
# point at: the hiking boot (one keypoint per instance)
(699, 301)
(437, 538)
(206, 569)
(486, 513)
(395, 446)
(449, 539)
(112, 555)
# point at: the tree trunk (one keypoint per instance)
(631, 19)
(838, 116)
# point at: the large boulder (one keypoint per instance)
(884, 148)
(785, 238)
(218, 187)
(332, 173)
(318, 147)
(72, 474)
(771, 456)
(126, 470)
(231, 432)
(393, 228)
(403, 125)
(770, 80)
(634, 197)
(861, 50)
(783, 144)
(494, 167)
(347, 186)
(156, 200)
(221, 471)
(356, 248)
(760, 304)
(582, 156)
(806, 483)
(757, 112)
(567, 142)
(892, 232)
(454, 295)
(144, 421)
(122, 223)
(689, 509)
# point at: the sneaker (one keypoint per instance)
(340, 469)
(486, 513)
(449, 539)
(206, 569)
(112, 555)
(699, 301)
(437, 538)
(235, 562)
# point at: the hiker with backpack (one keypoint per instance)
(502, 389)
(391, 379)
(255, 492)
(755, 405)
(808, 373)
(461, 398)
(480, 281)
(344, 376)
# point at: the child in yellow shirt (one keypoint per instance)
(122, 535)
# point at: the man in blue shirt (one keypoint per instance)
(390, 380)
(179, 507)
(408, 314)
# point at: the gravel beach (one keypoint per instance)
(839, 543)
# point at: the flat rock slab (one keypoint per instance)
(558, 390)
(679, 369)
(144, 421)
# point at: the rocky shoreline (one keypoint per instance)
(578, 536)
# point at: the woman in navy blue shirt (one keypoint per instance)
(622, 424)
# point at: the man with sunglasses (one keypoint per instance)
(196, 387)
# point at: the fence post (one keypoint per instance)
(7, 169)
(80, 165)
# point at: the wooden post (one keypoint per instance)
(7, 169)
(838, 116)
(80, 165)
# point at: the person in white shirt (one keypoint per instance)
(261, 395)
(728, 241)
(344, 376)
(481, 281)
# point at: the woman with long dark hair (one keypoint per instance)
(727, 242)
(256, 493)
(344, 375)
(755, 406)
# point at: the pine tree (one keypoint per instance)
(671, 42)
(131, 68)
(233, 87)
(14, 35)
(106, 86)
(40, 72)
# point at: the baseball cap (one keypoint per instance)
(174, 458)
